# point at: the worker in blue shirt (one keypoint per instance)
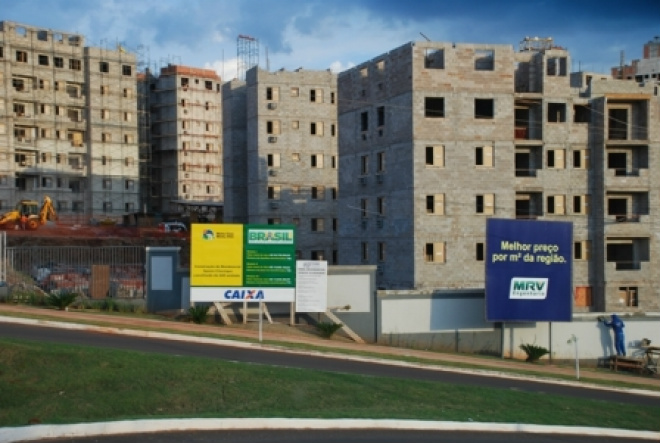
(619, 338)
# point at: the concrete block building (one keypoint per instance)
(280, 132)
(437, 137)
(68, 126)
(185, 173)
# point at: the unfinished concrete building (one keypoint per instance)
(186, 143)
(644, 70)
(68, 125)
(280, 133)
(437, 137)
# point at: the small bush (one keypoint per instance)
(327, 329)
(109, 305)
(199, 313)
(533, 352)
(62, 300)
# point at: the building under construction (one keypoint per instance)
(185, 165)
(68, 123)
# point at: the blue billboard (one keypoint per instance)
(529, 270)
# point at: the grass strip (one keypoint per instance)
(53, 383)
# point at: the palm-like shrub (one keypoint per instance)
(62, 300)
(533, 352)
(327, 329)
(199, 313)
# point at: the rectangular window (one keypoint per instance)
(581, 113)
(380, 162)
(105, 89)
(484, 156)
(21, 56)
(381, 251)
(364, 121)
(107, 183)
(318, 192)
(128, 116)
(435, 156)
(107, 207)
(583, 297)
(434, 252)
(434, 59)
(316, 161)
(629, 295)
(126, 70)
(485, 204)
(43, 60)
(274, 221)
(295, 91)
(484, 60)
(208, 85)
(435, 204)
(365, 251)
(434, 107)
(556, 204)
(273, 160)
(106, 137)
(75, 64)
(318, 225)
(484, 108)
(557, 66)
(295, 157)
(380, 205)
(105, 114)
(58, 62)
(273, 127)
(364, 165)
(380, 112)
(316, 128)
(129, 185)
(128, 93)
(580, 159)
(316, 95)
(364, 205)
(556, 112)
(479, 251)
(104, 67)
(580, 204)
(273, 93)
(582, 250)
(556, 159)
(273, 193)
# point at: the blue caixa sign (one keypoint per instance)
(529, 270)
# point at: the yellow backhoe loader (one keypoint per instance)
(28, 215)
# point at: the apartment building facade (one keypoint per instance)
(280, 132)
(68, 125)
(186, 140)
(437, 137)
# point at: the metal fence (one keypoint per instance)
(96, 272)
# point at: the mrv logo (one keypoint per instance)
(526, 288)
(244, 294)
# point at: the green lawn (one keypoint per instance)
(47, 383)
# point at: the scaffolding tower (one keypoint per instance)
(247, 54)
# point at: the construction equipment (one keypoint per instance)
(28, 215)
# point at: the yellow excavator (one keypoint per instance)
(28, 215)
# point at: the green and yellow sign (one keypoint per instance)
(231, 262)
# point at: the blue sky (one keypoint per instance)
(322, 34)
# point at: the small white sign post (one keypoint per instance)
(311, 286)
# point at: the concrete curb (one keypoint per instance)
(37, 432)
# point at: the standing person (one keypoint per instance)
(619, 338)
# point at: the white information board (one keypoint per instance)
(311, 286)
